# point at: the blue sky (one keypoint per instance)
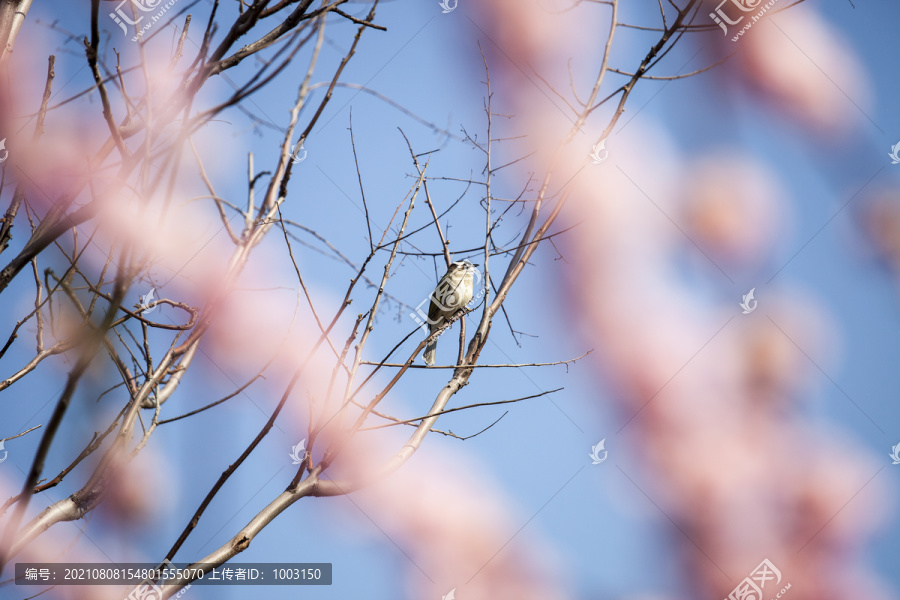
(607, 542)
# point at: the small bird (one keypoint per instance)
(455, 289)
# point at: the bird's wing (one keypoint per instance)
(434, 314)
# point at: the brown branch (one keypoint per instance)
(90, 49)
(358, 21)
(18, 435)
(179, 49)
(494, 366)
(19, 194)
(362, 191)
(56, 418)
(445, 246)
(458, 408)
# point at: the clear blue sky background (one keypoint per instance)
(609, 539)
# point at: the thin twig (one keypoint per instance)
(492, 366)
(18, 435)
(458, 408)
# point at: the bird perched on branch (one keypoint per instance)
(455, 289)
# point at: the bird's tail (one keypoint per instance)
(430, 351)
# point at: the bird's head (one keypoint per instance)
(462, 265)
